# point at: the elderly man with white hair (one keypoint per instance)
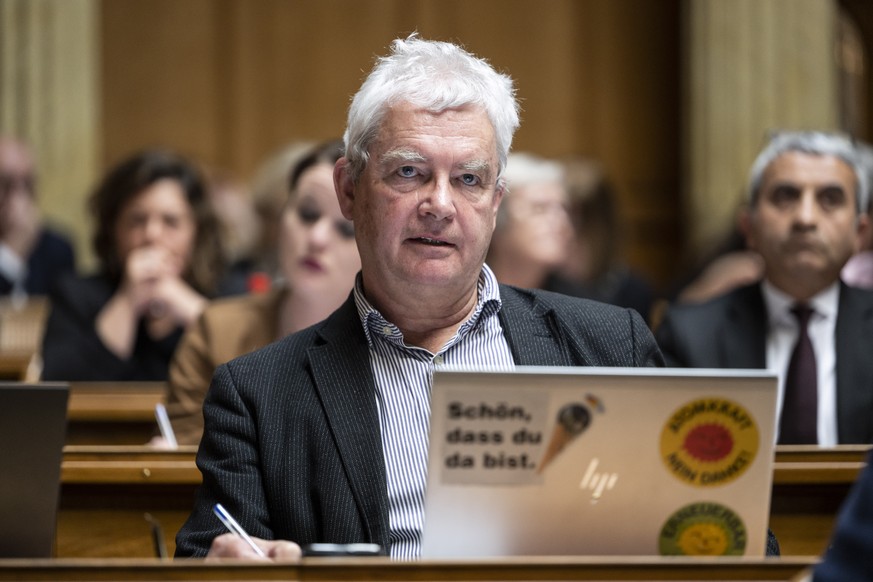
(322, 436)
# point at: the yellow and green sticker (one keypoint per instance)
(703, 529)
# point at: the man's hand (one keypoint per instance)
(232, 546)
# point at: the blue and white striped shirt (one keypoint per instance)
(404, 375)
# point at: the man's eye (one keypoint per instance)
(832, 197)
(406, 171)
(470, 179)
(784, 195)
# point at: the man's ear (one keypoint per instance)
(345, 187)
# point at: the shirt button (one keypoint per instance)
(438, 360)
(386, 330)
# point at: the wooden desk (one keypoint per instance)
(809, 486)
(113, 413)
(22, 322)
(335, 569)
(14, 364)
(106, 491)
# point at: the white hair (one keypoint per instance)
(434, 76)
(815, 143)
(523, 169)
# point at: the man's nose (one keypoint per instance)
(807, 209)
(439, 200)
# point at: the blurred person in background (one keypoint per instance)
(159, 253)
(269, 197)
(594, 268)
(806, 215)
(318, 261)
(858, 271)
(240, 229)
(533, 232)
(32, 256)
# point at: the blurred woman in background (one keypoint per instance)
(594, 268)
(159, 261)
(318, 261)
(533, 231)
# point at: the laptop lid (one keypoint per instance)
(32, 427)
(599, 461)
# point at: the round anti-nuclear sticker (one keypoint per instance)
(709, 442)
(703, 529)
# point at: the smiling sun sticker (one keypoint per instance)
(709, 442)
(703, 529)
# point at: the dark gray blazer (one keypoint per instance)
(731, 332)
(292, 446)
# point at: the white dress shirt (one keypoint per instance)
(782, 334)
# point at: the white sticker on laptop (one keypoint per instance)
(492, 440)
(497, 441)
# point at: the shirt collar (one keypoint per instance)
(779, 303)
(488, 303)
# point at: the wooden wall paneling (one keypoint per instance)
(160, 77)
(594, 78)
(861, 14)
(49, 94)
(639, 97)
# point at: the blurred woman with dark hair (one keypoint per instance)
(318, 260)
(159, 262)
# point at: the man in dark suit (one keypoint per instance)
(32, 256)
(850, 553)
(808, 192)
(322, 436)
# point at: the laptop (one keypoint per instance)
(599, 461)
(32, 427)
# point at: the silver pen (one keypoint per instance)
(235, 528)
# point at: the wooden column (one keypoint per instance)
(751, 66)
(49, 70)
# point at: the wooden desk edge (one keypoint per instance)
(79, 462)
(518, 568)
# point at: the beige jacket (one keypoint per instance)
(226, 329)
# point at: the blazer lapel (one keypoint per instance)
(854, 328)
(743, 344)
(345, 384)
(532, 334)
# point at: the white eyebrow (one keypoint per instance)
(476, 166)
(401, 155)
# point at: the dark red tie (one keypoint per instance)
(799, 422)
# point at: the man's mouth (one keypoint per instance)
(432, 241)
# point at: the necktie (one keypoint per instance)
(799, 421)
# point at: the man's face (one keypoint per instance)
(805, 223)
(16, 181)
(425, 205)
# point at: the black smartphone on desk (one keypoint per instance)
(342, 550)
